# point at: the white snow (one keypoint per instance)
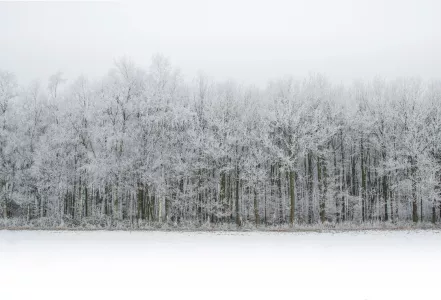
(164, 265)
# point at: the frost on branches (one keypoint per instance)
(139, 148)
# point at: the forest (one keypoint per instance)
(144, 147)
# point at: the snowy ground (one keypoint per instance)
(162, 265)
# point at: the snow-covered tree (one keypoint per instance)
(140, 147)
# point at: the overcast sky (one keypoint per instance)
(251, 41)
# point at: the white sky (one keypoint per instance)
(251, 41)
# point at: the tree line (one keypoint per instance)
(141, 147)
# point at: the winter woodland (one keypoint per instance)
(141, 148)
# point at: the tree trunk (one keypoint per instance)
(310, 189)
(343, 179)
(238, 215)
(363, 183)
(322, 204)
(292, 197)
(385, 188)
(414, 190)
(256, 208)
